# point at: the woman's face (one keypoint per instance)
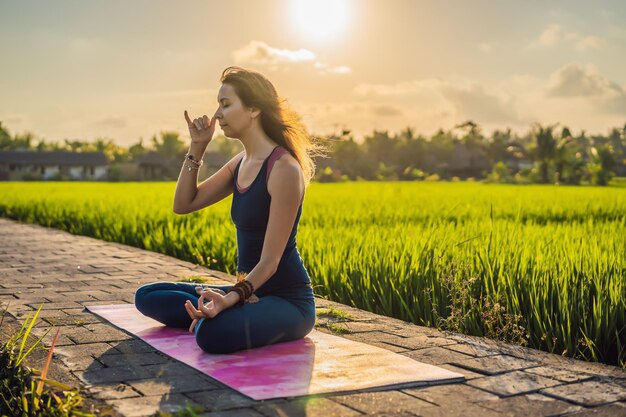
(231, 114)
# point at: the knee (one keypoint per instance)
(212, 338)
(140, 295)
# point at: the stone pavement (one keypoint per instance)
(118, 371)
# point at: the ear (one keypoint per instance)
(254, 112)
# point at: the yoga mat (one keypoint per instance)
(319, 363)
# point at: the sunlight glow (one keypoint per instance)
(319, 19)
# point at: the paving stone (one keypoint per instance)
(77, 296)
(80, 357)
(457, 408)
(473, 350)
(147, 406)
(466, 373)
(387, 346)
(221, 399)
(241, 412)
(493, 365)
(55, 306)
(132, 346)
(382, 401)
(190, 383)
(81, 363)
(113, 391)
(436, 355)
(514, 383)
(420, 342)
(73, 320)
(365, 337)
(62, 340)
(441, 394)
(534, 405)
(611, 410)
(102, 332)
(306, 407)
(560, 374)
(357, 327)
(113, 374)
(127, 359)
(588, 393)
(594, 368)
(169, 369)
(409, 329)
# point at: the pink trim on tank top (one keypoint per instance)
(243, 190)
(274, 156)
(272, 159)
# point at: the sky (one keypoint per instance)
(125, 70)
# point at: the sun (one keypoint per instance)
(319, 19)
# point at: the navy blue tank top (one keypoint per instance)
(249, 212)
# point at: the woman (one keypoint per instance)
(273, 300)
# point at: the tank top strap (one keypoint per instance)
(279, 151)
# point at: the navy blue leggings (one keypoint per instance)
(271, 320)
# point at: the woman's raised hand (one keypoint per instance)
(201, 130)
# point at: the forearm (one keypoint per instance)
(187, 185)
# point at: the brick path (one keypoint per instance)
(114, 369)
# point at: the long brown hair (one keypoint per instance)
(282, 124)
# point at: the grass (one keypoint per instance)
(542, 266)
(28, 392)
(333, 312)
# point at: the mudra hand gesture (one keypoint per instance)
(216, 305)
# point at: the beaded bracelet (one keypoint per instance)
(189, 157)
(190, 167)
(244, 288)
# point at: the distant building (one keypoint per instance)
(65, 165)
(468, 161)
(155, 166)
(46, 165)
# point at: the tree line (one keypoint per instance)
(544, 154)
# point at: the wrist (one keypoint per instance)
(197, 151)
(232, 298)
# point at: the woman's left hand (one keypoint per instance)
(217, 304)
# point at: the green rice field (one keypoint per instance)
(539, 266)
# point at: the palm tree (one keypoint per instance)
(545, 148)
(562, 155)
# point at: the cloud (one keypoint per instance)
(555, 35)
(481, 105)
(589, 42)
(466, 100)
(116, 122)
(260, 53)
(385, 110)
(573, 81)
